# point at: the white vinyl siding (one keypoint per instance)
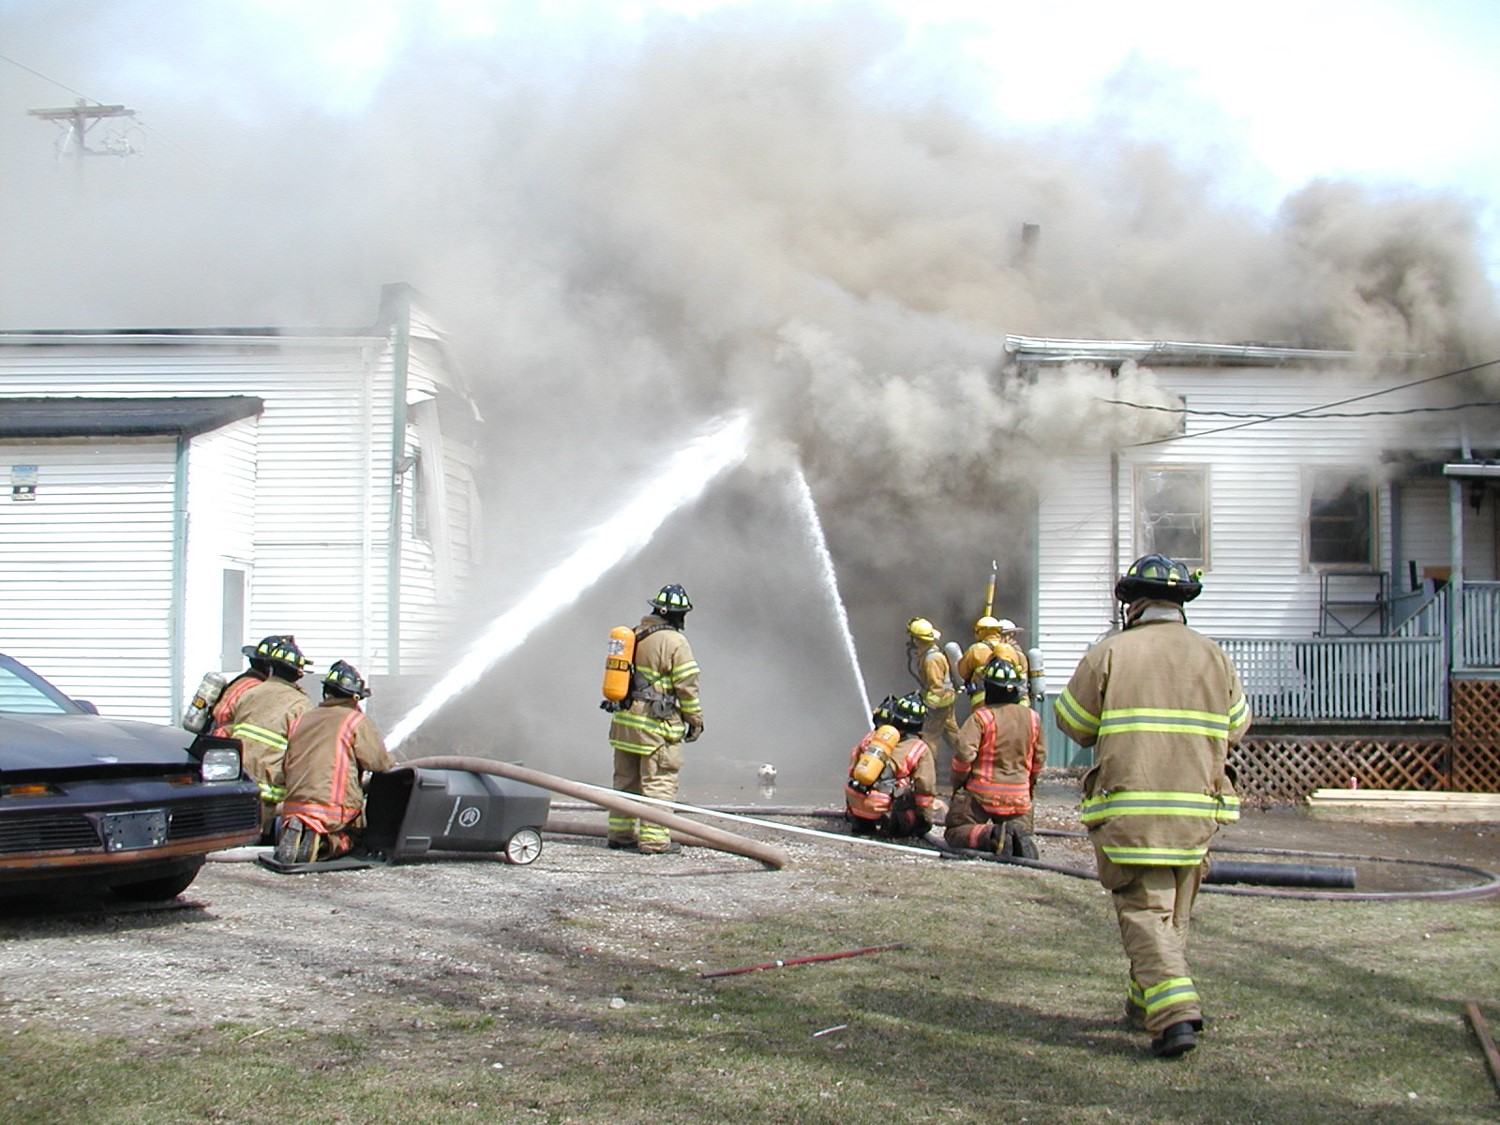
(1257, 583)
(221, 536)
(86, 571)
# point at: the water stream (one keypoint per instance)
(809, 512)
(683, 479)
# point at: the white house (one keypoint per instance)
(1338, 508)
(177, 493)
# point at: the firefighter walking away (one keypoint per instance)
(1160, 704)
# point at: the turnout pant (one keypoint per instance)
(1154, 906)
(648, 775)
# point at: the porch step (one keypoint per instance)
(1410, 805)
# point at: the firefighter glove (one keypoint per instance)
(694, 727)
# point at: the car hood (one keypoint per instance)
(49, 742)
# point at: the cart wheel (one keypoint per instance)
(524, 846)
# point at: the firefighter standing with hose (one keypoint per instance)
(261, 718)
(330, 749)
(1161, 704)
(992, 637)
(929, 664)
(1000, 753)
(661, 712)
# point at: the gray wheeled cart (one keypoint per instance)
(411, 811)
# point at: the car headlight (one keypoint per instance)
(221, 764)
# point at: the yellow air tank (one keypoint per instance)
(618, 661)
(875, 757)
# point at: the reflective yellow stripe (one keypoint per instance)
(1169, 993)
(249, 730)
(1135, 802)
(273, 794)
(1075, 716)
(1163, 721)
(1155, 857)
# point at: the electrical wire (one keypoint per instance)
(1312, 410)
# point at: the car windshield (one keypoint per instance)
(23, 691)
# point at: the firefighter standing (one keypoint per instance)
(663, 712)
(262, 716)
(900, 802)
(330, 747)
(992, 637)
(1000, 753)
(1161, 704)
(929, 664)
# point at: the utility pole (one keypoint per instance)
(77, 120)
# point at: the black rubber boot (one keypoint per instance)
(1177, 1039)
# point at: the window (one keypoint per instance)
(1340, 518)
(1171, 513)
(232, 621)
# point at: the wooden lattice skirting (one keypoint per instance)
(1279, 770)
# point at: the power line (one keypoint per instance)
(1268, 417)
(1311, 410)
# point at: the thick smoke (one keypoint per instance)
(794, 211)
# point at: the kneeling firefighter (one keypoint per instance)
(330, 748)
(1000, 753)
(898, 802)
(661, 712)
(262, 717)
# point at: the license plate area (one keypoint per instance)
(131, 831)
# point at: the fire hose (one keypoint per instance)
(612, 799)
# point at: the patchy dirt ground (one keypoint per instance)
(254, 947)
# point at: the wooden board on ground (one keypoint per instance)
(1407, 805)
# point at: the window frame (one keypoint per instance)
(1312, 477)
(1144, 541)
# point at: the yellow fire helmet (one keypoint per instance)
(919, 628)
(986, 627)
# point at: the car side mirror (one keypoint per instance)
(87, 706)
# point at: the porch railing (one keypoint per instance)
(1344, 679)
(1481, 621)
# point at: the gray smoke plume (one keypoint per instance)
(791, 210)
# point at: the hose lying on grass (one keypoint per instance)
(615, 801)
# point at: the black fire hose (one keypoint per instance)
(1279, 874)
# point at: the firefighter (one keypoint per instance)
(1000, 753)
(221, 717)
(262, 716)
(992, 637)
(881, 716)
(1160, 704)
(929, 664)
(661, 713)
(330, 749)
(900, 803)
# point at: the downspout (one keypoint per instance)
(177, 626)
(400, 355)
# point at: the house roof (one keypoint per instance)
(1046, 350)
(56, 417)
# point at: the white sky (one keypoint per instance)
(1392, 91)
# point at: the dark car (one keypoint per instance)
(91, 804)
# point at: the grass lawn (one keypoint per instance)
(1002, 1006)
